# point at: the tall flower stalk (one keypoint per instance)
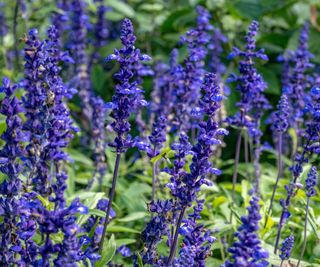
(188, 95)
(286, 249)
(10, 165)
(247, 250)
(128, 97)
(311, 182)
(280, 126)
(310, 146)
(209, 133)
(171, 217)
(252, 104)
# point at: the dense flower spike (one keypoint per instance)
(128, 96)
(99, 142)
(216, 50)
(250, 84)
(196, 245)
(253, 103)
(48, 118)
(197, 41)
(311, 145)
(298, 80)
(78, 45)
(209, 133)
(51, 128)
(157, 228)
(280, 120)
(60, 19)
(311, 182)
(247, 250)
(101, 30)
(286, 248)
(11, 167)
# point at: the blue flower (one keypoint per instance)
(311, 182)
(247, 250)
(286, 248)
(128, 96)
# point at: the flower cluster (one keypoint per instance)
(197, 41)
(11, 167)
(280, 117)
(286, 248)
(77, 46)
(98, 136)
(311, 182)
(298, 79)
(128, 96)
(250, 84)
(184, 188)
(247, 250)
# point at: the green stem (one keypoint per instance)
(304, 232)
(111, 196)
(235, 172)
(278, 177)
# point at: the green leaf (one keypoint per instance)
(269, 225)
(164, 152)
(45, 202)
(121, 229)
(125, 241)
(108, 251)
(151, 7)
(140, 263)
(97, 212)
(79, 157)
(294, 138)
(122, 8)
(90, 199)
(133, 217)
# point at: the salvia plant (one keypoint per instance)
(188, 145)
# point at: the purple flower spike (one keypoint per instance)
(286, 248)
(247, 250)
(311, 182)
(128, 96)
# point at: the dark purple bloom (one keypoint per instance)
(209, 136)
(215, 46)
(156, 229)
(280, 117)
(253, 103)
(184, 187)
(311, 182)
(101, 30)
(128, 96)
(48, 119)
(286, 248)
(11, 167)
(250, 84)
(298, 79)
(124, 251)
(310, 146)
(99, 136)
(60, 18)
(188, 95)
(247, 250)
(78, 45)
(196, 245)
